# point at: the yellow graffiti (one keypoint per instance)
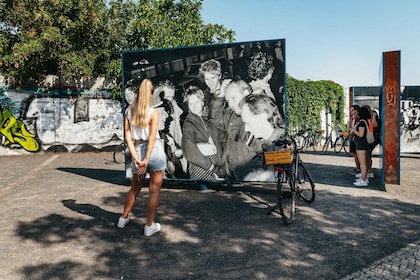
(16, 133)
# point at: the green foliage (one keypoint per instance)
(306, 100)
(75, 38)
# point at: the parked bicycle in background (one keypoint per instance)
(308, 139)
(342, 142)
(328, 140)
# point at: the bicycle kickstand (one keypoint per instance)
(272, 208)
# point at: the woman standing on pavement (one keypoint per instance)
(362, 145)
(141, 131)
(353, 122)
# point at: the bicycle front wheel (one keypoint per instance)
(287, 198)
(305, 186)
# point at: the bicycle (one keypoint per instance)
(305, 139)
(342, 142)
(328, 141)
(301, 138)
(313, 139)
(293, 179)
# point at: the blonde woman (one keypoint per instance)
(141, 134)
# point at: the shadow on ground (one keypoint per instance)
(105, 175)
(222, 235)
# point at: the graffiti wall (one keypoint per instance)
(410, 119)
(31, 123)
(221, 106)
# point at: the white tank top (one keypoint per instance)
(141, 133)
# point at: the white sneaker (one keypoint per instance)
(122, 222)
(361, 183)
(370, 175)
(150, 230)
(358, 179)
(354, 171)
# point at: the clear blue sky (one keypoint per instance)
(338, 40)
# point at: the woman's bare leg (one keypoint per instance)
(136, 185)
(362, 156)
(155, 184)
(369, 161)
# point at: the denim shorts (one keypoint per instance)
(157, 160)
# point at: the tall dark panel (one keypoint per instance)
(391, 116)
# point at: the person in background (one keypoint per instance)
(141, 132)
(211, 72)
(173, 151)
(242, 148)
(263, 120)
(373, 123)
(354, 120)
(362, 146)
(260, 72)
(377, 124)
(173, 130)
(201, 140)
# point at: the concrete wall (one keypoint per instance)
(31, 123)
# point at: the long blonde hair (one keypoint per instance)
(142, 104)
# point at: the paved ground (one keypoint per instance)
(59, 213)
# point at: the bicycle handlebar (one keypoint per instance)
(283, 142)
(286, 141)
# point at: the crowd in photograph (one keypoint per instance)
(218, 131)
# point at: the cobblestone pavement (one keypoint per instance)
(59, 212)
(403, 264)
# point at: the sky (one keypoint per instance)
(338, 40)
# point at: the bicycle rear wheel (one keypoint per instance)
(286, 196)
(325, 147)
(300, 141)
(305, 144)
(316, 140)
(305, 185)
(338, 144)
(346, 146)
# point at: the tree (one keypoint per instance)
(75, 38)
(306, 100)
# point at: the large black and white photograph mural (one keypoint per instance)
(410, 119)
(220, 106)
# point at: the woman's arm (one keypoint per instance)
(154, 123)
(129, 139)
(375, 120)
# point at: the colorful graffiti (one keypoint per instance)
(16, 133)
